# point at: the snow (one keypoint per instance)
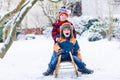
(13, 23)
(28, 59)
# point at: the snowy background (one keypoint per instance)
(28, 59)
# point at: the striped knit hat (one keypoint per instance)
(63, 10)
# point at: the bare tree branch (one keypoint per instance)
(8, 42)
(9, 16)
(46, 14)
(55, 1)
(12, 13)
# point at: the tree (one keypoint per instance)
(15, 18)
(110, 21)
(8, 8)
(51, 10)
(47, 13)
(75, 7)
(0, 4)
(112, 5)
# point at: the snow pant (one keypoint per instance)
(54, 60)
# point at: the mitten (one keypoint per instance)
(61, 51)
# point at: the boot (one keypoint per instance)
(86, 71)
(48, 72)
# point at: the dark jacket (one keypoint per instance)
(68, 45)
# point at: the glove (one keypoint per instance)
(60, 52)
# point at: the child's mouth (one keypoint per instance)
(67, 33)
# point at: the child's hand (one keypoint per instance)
(56, 39)
(61, 51)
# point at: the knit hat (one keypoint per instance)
(64, 26)
(63, 10)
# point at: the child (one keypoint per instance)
(62, 18)
(64, 45)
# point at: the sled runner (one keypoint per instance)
(59, 61)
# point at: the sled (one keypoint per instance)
(59, 61)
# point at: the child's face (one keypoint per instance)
(63, 17)
(66, 32)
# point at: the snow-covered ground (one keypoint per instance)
(28, 59)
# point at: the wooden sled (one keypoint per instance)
(59, 61)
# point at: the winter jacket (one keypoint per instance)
(56, 29)
(68, 45)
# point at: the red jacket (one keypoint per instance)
(56, 29)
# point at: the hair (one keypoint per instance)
(64, 26)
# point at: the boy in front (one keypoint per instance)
(65, 44)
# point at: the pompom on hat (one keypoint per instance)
(63, 10)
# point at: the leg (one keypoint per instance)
(51, 66)
(53, 56)
(81, 66)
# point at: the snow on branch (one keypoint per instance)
(16, 20)
(46, 13)
(10, 14)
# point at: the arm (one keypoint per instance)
(74, 32)
(55, 33)
(77, 50)
(57, 49)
